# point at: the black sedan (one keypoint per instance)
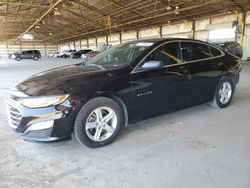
(124, 84)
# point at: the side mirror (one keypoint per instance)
(152, 65)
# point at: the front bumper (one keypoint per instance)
(40, 124)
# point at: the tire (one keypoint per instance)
(223, 97)
(87, 124)
(18, 58)
(35, 58)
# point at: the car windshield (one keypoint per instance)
(119, 55)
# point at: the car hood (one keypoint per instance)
(62, 80)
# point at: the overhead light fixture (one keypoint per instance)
(50, 34)
(27, 36)
(177, 10)
(56, 12)
(229, 11)
(169, 7)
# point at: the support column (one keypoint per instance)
(96, 44)
(160, 31)
(87, 43)
(107, 40)
(193, 29)
(120, 37)
(45, 47)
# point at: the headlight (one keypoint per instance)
(38, 102)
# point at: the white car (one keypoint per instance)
(66, 53)
(57, 54)
(53, 54)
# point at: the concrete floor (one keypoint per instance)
(196, 147)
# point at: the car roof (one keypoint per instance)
(166, 39)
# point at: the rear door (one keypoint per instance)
(30, 54)
(24, 54)
(202, 73)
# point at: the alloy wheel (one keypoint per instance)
(101, 124)
(225, 92)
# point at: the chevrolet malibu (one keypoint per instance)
(124, 84)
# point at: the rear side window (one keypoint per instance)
(215, 52)
(192, 51)
(169, 54)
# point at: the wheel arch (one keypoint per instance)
(119, 101)
(112, 96)
(229, 75)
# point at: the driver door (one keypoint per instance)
(161, 90)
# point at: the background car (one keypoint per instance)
(92, 54)
(84, 55)
(66, 53)
(78, 54)
(53, 54)
(29, 54)
(231, 47)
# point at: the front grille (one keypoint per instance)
(15, 116)
(38, 134)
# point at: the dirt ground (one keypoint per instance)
(197, 147)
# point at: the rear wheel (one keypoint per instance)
(98, 122)
(224, 93)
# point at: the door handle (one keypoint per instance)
(183, 70)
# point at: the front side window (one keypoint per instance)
(169, 54)
(119, 55)
(192, 51)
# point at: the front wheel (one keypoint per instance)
(98, 122)
(224, 93)
(35, 58)
(18, 58)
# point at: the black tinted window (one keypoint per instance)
(169, 54)
(29, 52)
(215, 52)
(194, 51)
